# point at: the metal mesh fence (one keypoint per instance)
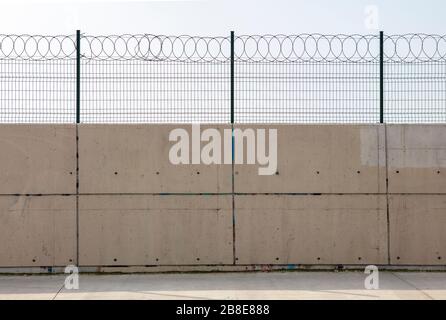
(415, 79)
(308, 78)
(37, 79)
(148, 78)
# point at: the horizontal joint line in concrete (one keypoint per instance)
(37, 194)
(214, 194)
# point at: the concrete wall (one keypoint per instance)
(417, 194)
(37, 231)
(155, 230)
(417, 158)
(311, 229)
(321, 159)
(417, 229)
(37, 159)
(342, 194)
(135, 159)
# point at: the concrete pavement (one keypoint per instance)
(265, 285)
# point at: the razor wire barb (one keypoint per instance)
(145, 78)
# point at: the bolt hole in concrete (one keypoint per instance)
(277, 173)
(438, 172)
(198, 259)
(157, 172)
(198, 172)
(397, 258)
(71, 172)
(115, 259)
(277, 259)
(439, 258)
(397, 171)
(359, 258)
(34, 260)
(317, 172)
(358, 172)
(318, 258)
(116, 173)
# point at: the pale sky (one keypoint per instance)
(218, 17)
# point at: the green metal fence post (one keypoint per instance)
(78, 76)
(232, 76)
(381, 77)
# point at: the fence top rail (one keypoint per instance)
(404, 48)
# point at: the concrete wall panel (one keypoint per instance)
(320, 159)
(326, 229)
(135, 159)
(347, 224)
(417, 229)
(155, 230)
(37, 231)
(417, 158)
(37, 159)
